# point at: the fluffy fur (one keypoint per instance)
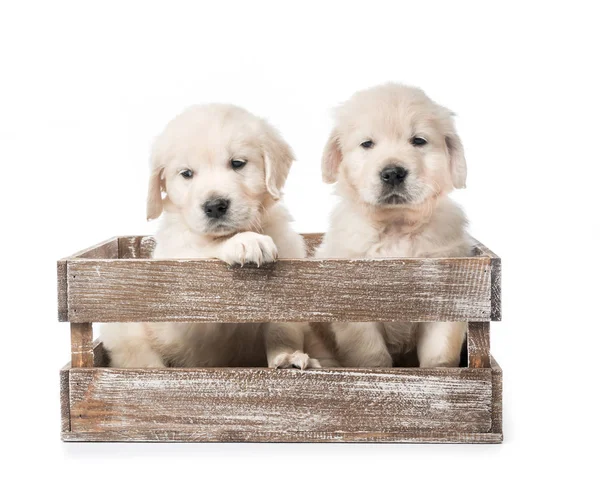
(192, 164)
(412, 219)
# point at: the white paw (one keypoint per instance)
(294, 360)
(249, 247)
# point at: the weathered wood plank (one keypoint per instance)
(133, 247)
(496, 277)
(447, 289)
(496, 397)
(65, 412)
(252, 404)
(289, 437)
(496, 281)
(61, 290)
(478, 344)
(82, 354)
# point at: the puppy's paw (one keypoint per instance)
(248, 247)
(296, 359)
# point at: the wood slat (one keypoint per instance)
(61, 290)
(287, 437)
(133, 247)
(108, 248)
(447, 289)
(496, 397)
(256, 404)
(478, 344)
(82, 354)
(65, 412)
(496, 278)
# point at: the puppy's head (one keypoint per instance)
(219, 167)
(393, 146)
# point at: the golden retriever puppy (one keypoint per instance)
(395, 156)
(217, 175)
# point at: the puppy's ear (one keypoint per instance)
(458, 164)
(278, 160)
(332, 157)
(154, 201)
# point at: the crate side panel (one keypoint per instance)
(452, 289)
(241, 404)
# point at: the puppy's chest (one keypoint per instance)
(391, 245)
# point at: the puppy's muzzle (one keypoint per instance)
(393, 175)
(216, 208)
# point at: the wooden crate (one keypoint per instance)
(117, 281)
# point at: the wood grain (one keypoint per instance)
(448, 289)
(61, 290)
(255, 404)
(133, 247)
(145, 435)
(478, 344)
(496, 278)
(65, 412)
(496, 281)
(82, 354)
(148, 430)
(496, 397)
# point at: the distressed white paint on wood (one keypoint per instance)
(496, 278)
(452, 289)
(232, 404)
(129, 391)
(478, 344)
(82, 354)
(496, 397)
(61, 290)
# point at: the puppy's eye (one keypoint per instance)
(186, 174)
(367, 144)
(418, 141)
(236, 164)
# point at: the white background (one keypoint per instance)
(85, 86)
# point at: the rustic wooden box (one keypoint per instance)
(116, 281)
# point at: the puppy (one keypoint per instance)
(395, 156)
(217, 174)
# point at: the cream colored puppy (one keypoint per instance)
(217, 174)
(395, 156)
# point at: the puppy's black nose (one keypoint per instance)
(216, 208)
(393, 175)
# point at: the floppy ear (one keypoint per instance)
(154, 202)
(332, 157)
(278, 160)
(458, 165)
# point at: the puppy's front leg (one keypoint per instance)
(285, 345)
(248, 247)
(439, 343)
(361, 345)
